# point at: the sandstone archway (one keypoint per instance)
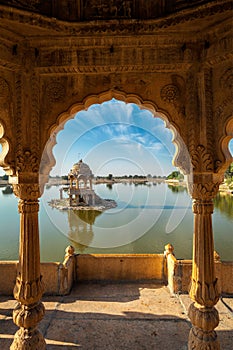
(181, 157)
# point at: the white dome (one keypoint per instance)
(81, 169)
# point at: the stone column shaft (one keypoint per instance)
(29, 287)
(203, 291)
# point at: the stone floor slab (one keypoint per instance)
(129, 316)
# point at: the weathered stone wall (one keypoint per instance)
(58, 279)
(120, 267)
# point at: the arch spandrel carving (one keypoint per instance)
(181, 158)
(58, 93)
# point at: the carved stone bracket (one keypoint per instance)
(201, 159)
(27, 162)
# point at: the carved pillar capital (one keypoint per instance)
(202, 207)
(204, 186)
(26, 191)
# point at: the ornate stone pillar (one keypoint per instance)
(29, 288)
(204, 291)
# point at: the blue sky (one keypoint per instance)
(117, 138)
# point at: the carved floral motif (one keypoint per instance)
(28, 293)
(203, 191)
(170, 93)
(27, 192)
(27, 162)
(205, 294)
(55, 91)
(201, 159)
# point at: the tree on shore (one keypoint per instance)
(175, 175)
(229, 176)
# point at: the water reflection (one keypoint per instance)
(7, 190)
(96, 232)
(177, 188)
(224, 203)
(80, 227)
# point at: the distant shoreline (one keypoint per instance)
(223, 188)
(54, 181)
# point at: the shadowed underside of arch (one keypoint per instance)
(181, 157)
(4, 150)
(224, 144)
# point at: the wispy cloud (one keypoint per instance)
(115, 130)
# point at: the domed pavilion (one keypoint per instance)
(80, 190)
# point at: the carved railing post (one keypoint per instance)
(204, 291)
(171, 265)
(29, 288)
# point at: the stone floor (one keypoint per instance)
(129, 316)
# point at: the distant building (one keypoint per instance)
(80, 190)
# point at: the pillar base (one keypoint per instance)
(201, 340)
(25, 339)
(202, 335)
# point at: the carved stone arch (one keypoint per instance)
(181, 158)
(5, 150)
(224, 145)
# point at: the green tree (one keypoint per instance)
(176, 175)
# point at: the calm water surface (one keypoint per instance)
(146, 218)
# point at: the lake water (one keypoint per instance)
(146, 218)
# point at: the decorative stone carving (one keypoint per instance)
(25, 3)
(203, 191)
(55, 91)
(71, 10)
(18, 113)
(202, 334)
(207, 110)
(108, 9)
(201, 159)
(170, 93)
(28, 339)
(26, 316)
(226, 80)
(4, 90)
(26, 191)
(27, 162)
(35, 118)
(136, 56)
